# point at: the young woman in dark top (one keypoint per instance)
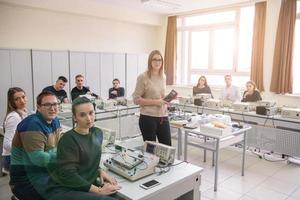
(78, 176)
(202, 87)
(251, 94)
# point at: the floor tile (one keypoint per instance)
(280, 186)
(222, 194)
(246, 197)
(296, 193)
(262, 193)
(265, 168)
(243, 184)
(289, 173)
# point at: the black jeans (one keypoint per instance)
(152, 127)
(25, 191)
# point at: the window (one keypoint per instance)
(296, 58)
(215, 44)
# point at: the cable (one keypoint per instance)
(267, 159)
(266, 120)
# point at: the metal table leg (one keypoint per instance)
(185, 145)
(179, 143)
(244, 152)
(204, 150)
(216, 164)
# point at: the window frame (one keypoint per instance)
(187, 67)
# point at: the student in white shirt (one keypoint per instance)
(230, 92)
(16, 112)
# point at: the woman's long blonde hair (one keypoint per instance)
(161, 70)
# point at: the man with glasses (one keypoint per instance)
(58, 89)
(80, 89)
(34, 149)
(116, 90)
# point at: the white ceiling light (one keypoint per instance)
(161, 4)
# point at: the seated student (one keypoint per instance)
(78, 176)
(202, 87)
(251, 94)
(34, 149)
(16, 112)
(58, 89)
(230, 92)
(80, 89)
(116, 90)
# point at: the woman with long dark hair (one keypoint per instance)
(202, 87)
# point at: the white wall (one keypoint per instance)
(25, 27)
(272, 15)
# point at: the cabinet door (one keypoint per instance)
(131, 73)
(20, 68)
(77, 66)
(92, 79)
(60, 67)
(142, 63)
(106, 72)
(42, 73)
(119, 69)
(5, 81)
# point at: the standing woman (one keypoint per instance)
(78, 176)
(251, 94)
(16, 111)
(202, 87)
(149, 93)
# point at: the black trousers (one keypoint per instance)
(152, 127)
(25, 191)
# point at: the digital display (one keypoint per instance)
(150, 148)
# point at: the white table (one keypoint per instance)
(182, 182)
(215, 144)
(271, 133)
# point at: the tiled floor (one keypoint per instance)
(263, 180)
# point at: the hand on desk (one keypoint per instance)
(108, 188)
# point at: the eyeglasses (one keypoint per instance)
(156, 60)
(50, 105)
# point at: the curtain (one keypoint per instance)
(170, 50)
(258, 41)
(283, 55)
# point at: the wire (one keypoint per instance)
(267, 159)
(266, 120)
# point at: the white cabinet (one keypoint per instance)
(47, 67)
(135, 65)
(142, 62)
(60, 67)
(77, 66)
(107, 73)
(131, 73)
(16, 71)
(33, 70)
(92, 68)
(5, 81)
(42, 74)
(22, 73)
(119, 69)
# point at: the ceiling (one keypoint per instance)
(182, 6)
